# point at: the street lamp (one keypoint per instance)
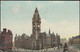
(32, 45)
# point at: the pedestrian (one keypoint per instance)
(65, 48)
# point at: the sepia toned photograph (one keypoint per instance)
(39, 26)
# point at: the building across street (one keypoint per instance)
(6, 42)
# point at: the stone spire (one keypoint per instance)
(49, 31)
(36, 11)
(36, 14)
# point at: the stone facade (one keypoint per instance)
(75, 40)
(63, 41)
(45, 41)
(22, 41)
(6, 40)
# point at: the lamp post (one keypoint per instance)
(27, 43)
(32, 45)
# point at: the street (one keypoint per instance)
(71, 49)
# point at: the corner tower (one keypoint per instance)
(36, 24)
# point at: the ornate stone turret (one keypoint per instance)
(36, 24)
(36, 29)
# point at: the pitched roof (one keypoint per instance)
(77, 36)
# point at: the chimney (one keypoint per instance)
(9, 32)
(4, 30)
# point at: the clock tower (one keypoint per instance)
(36, 24)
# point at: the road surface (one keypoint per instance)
(71, 49)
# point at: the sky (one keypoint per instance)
(60, 17)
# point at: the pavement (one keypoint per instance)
(71, 49)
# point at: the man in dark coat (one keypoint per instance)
(65, 48)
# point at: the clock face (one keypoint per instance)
(38, 26)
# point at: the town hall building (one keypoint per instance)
(37, 40)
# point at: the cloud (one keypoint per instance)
(58, 2)
(16, 7)
(64, 22)
(15, 10)
(40, 6)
